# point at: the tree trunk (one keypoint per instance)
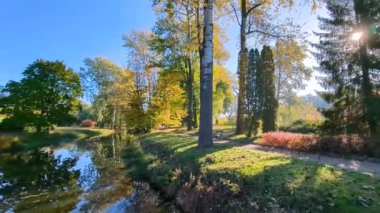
(366, 84)
(190, 90)
(113, 118)
(279, 83)
(205, 128)
(242, 70)
(367, 91)
(252, 121)
(195, 121)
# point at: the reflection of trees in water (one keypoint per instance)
(37, 178)
(113, 183)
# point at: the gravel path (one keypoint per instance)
(363, 166)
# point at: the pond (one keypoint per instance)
(87, 176)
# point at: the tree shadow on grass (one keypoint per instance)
(226, 178)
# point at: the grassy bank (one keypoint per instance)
(227, 178)
(24, 141)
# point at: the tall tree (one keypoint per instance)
(206, 87)
(98, 78)
(270, 101)
(291, 72)
(366, 13)
(255, 91)
(350, 68)
(46, 96)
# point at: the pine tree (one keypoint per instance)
(270, 102)
(349, 68)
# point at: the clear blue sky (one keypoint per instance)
(67, 30)
(72, 30)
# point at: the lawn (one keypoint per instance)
(227, 178)
(24, 141)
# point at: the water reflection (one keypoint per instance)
(85, 176)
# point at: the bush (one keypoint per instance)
(302, 126)
(88, 123)
(341, 144)
(294, 141)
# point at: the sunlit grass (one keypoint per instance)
(273, 181)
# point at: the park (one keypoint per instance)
(190, 106)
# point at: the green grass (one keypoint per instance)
(227, 178)
(24, 141)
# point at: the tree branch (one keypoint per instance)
(255, 6)
(236, 13)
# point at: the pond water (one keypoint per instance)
(76, 177)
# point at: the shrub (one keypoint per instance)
(88, 123)
(342, 144)
(294, 141)
(302, 126)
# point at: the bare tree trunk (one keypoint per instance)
(113, 118)
(243, 70)
(205, 128)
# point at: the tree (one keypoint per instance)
(290, 70)
(178, 42)
(98, 78)
(270, 101)
(222, 92)
(168, 100)
(255, 91)
(205, 125)
(350, 69)
(46, 96)
(254, 18)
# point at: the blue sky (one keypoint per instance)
(72, 30)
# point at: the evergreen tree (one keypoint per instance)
(349, 68)
(270, 103)
(254, 91)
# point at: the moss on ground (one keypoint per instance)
(227, 178)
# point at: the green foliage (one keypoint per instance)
(291, 72)
(270, 102)
(86, 111)
(226, 178)
(351, 70)
(298, 116)
(302, 126)
(255, 90)
(46, 96)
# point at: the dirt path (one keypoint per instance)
(363, 166)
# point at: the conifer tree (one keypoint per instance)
(254, 91)
(270, 103)
(350, 68)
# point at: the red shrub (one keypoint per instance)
(344, 144)
(88, 123)
(293, 141)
